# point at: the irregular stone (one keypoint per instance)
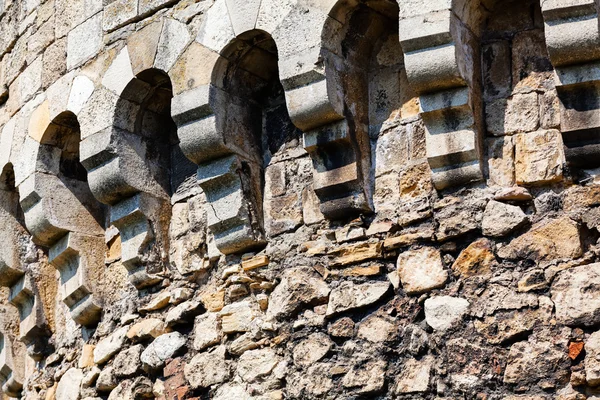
(349, 296)
(255, 364)
(342, 328)
(444, 312)
(87, 356)
(523, 365)
(546, 241)
(107, 380)
(159, 302)
(213, 301)
(576, 295)
(368, 377)
(138, 388)
(128, 362)
(421, 270)
(238, 317)
(298, 287)
(148, 328)
(504, 326)
(161, 349)
(110, 346)
(312, 349)
(183, 313)
(515, 193)
(497, 297)
(376, 329)
(500, 219)
(355, 253)
(457, 216)
(232, 391)
(415, 376)
(592, 359)
(69, 385)
(207, 369)
(207, 331)
(476, 259)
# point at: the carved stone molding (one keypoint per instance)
(572, 34)
(12, 368)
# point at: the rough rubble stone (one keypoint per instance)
(146, 329)
(415, 376)
(349, 296)
(546, 241)
(444, 312)
(312, 349)
(161, 349)
(68, 387)
(421, 270)
(207, 369)
(255, 364)
(592, 359)
(376, 329)
(207, 331)
(524, 367)
(576, 295)
(367, 378)
(111, 345)
(128, 362)
(298, 287)
(500, 219)
(476, 259)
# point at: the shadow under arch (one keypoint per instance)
(146, 172)
(363, 64)
(251, 124)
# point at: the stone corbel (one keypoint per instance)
(12, 368)
(132, 218)
(118, 176)
(573, 40)
(338, 176)
(439, 55)
(226, 173)
(79, 261)
(33, 328)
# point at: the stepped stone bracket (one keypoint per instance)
(573, 39)
(78, 259)
(132, 218)
(230, 192)
(11, 368)
(33, 328)
(440, 53)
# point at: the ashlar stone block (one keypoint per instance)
(84, 41)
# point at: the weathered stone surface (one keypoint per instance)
(444, 312)
(576, 295)
(312, 349)
(107, 380)
(421, 270)
(255, 364)
(458, 215)
(376, 329)
(415, 376)
(238, 317)
(298, 287)
(367, 378)
(161, 349)
(524, 366)
(592, 359)
(207, 331)
(500, 219)
(69, 385)
(111, 345)
(539, 157)
(207, 369)
(128, 361)
(476, 259)
(348, 296)
(147, 328)
(548, 240)
(138, 388)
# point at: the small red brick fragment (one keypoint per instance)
(575, 348)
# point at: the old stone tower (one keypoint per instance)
(300, 199)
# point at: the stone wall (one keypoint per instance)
(303, 199)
